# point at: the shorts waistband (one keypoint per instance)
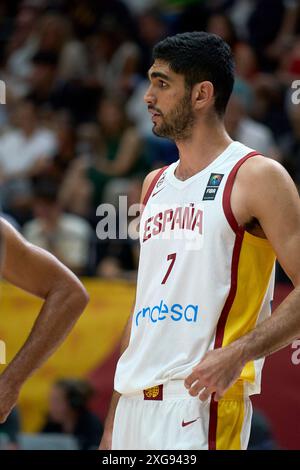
(176, 388)
(160, 392)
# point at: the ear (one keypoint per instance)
(203, 94)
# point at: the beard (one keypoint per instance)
(178, 123)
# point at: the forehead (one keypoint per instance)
(163, 69)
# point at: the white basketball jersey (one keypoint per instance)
(203, 281)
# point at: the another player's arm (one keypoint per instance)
(39, 273)
(105, 443)
(275, 203)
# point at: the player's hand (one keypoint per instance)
(215, 373)
(8, 398)
(106, 440)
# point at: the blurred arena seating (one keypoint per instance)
(38, 441)
(75, 133)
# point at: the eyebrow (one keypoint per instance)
(159, 75)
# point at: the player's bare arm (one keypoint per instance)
(267, 194)
(105, 443)
(41, 274)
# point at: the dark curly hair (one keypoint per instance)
(200, 56)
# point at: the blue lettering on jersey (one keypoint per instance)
(162, 311)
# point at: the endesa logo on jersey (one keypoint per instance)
(164, 312)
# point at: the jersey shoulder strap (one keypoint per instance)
(228, 190)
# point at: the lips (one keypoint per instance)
(154, 117)
(154, 114)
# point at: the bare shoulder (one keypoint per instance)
(262, 169)
(266, 183)
(8, 233)
(263, 192)
(273, 199)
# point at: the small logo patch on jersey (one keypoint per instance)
(212, 186)
(161, 180)
(157, 191)
(154, 393)
(158, 184)
(186, 423)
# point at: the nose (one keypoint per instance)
(148, 96)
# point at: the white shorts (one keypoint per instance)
(168, 418)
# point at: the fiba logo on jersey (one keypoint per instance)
(2, 352)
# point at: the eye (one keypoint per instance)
(162, 84)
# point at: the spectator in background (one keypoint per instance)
(268, 105)
(76, 192)
(52, 33)
(245, 60)
(289, 68)
(151, 28)
(69, 414)
(21, 47)
(114, 156)
(55, 35)
(241, 127)
(67, 236)
(62, 125)
(44, 88)
(25, 152)
(114, 58)
(118, 258)
(222, 25)
(54, 94)
(11, 429)
(291, 144)
(274, 37)
(261, 436)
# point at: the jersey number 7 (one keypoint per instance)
(171, 257)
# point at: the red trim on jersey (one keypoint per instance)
(213, 420)
(232, 292)
(213, 417)
(228, 189)
(239, 231)
(152, 184)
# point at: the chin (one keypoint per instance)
(156, 131)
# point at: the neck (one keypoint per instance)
(197, 152)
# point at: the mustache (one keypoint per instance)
(150, 108)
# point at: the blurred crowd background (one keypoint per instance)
(75, 132)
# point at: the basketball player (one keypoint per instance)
(41, 274)
(212, 226)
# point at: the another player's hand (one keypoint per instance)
(106, 440)
(8, 398)
(215, 373)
